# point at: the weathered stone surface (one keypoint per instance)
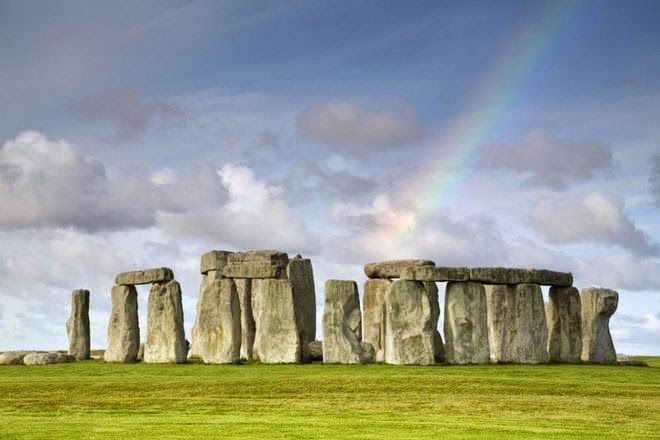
(392, 268)
(564, 325)
(438, 345)
(219, 324)
(301, 275)
(214, 260)
(373, 310)
(315, 349)
(12, 357)
(435, 273)
(517, 329)
(598, 305)
(123, 327)
(166, 340)
(148, 276)
(266, 257)
(503, 275)
(409, 333)
(140, 355)
(277, 339)
(254, 270)
(207, 278)
(248, 329)
(342, 325)
(47, 358)
(466, 323)
(77, 327)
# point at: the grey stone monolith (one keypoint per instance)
(598, 305)
(517, 329)
(435, 273)
(438, 345)
(563, 312)
(77, 326)
(373, 314)
(147, 276)
(208, 277)
(219, 323)
(392, 268)
(213, 260)
(244, 290)
(315, 350)
(300, 273)
(466, 323)
(342, 325)
(513, 276)
(409, 332)
(257, 264)
(277, 339)
(47, 358)
(123, 327)
(166, 340)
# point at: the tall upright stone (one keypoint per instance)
(300, 273)
(77, 327)
(207, 277)
(277, 339)
(373, 310)
(438, 346)
(517, 329)
(123, 327)
(219, 323)
(248, 327)
(409, 332)
(466, 323)
(563, 313)
(166, 339)
(342, 325)
(598, 305)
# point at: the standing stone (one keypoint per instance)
(244, 290)
(219, 323)
(342, 325)
(466, 323)
(277, 339)
(166, 339)
(123, 328)
(564, 325)
(409, 332)
(438, 346)
(517, 328)
(373, 308)
(77, 327)
(301, 275)
(208, 277)
(597, 307)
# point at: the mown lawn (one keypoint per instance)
(92, 399)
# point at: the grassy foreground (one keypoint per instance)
(92, 399)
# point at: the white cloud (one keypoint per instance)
(549, 161)
(594, 218)
(619, 271)
(344, 124)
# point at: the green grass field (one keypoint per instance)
(92, 399)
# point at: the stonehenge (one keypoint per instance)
(123, 327)
(219, 323)
(374, 315)
(166, 340)
(563, 313)
(598, 305)
(77, 327)
(466, 323)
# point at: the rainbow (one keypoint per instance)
(491, 97)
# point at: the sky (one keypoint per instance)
(143, 134)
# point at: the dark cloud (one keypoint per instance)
(344, 124)
(654, 178)
(548, 161)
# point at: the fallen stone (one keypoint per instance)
(140, 355)
(266, 257)
(248, 328)
(301, 275)
(123, 327)
(277, 339)
(315, 349)
(438, 345)
(466, 323)
(214, 260)
(166, 340)
(373, 310)
(148, 276)
(342, 325)
(254, 270)
(598, 305)
(219, 324)
(409, 333)
(517, 330)
(47, 358)
(435, 273)
(12, 357)
(564, 325)
(77, 327)
(503, 275)
(392, 268)
(632, 364)
(207, 278)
